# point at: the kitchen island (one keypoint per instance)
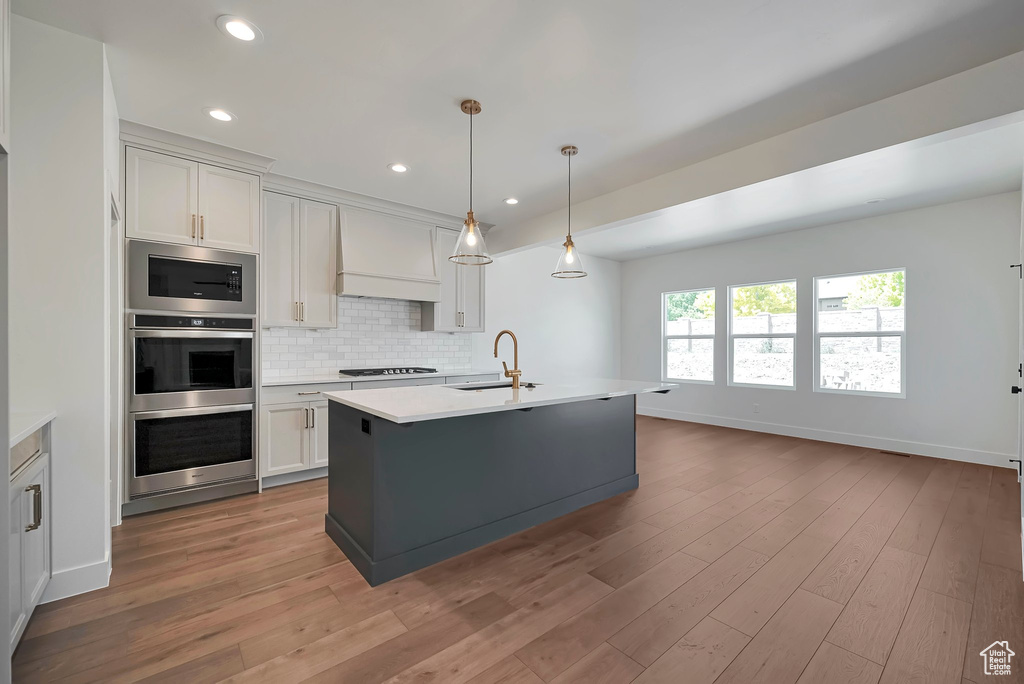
(420, 474)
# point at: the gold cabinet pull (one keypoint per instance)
(302, 311)
(202, 227)
(307, 417)
(312, 423)
(37, 507)
(193, 226)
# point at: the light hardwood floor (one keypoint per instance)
(742, 557)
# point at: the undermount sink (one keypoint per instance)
(502, 385)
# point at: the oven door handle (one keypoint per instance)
(190, 333)
(199, 411)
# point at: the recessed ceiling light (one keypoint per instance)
(239, 28)
(511, 200)
(398, 168)
(220, 114)
(876, 200)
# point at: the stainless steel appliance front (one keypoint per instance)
(186, 448)
(184, 278)
(189, 368)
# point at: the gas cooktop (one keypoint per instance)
(363, 372)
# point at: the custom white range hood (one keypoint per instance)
(381, 255)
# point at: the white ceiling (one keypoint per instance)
(955, 165)
(338, 90)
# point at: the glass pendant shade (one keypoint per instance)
(569, 263)
(470, 249)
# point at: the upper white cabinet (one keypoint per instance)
(170, 199)
(5, 75)
(461, 307)
(300, 262)
(229, 209)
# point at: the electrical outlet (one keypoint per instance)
(757, 408)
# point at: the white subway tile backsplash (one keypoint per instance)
(370, 333)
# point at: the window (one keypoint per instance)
(859, 328)
(688, 325)
(762, 333)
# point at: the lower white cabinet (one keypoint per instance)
(28, 541)
(293, 420)
(293, 437)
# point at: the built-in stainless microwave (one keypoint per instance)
(183, 278)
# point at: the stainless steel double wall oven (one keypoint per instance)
(191, 392)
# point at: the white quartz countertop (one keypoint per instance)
(335, 376)
(24, 423)
(432, 402)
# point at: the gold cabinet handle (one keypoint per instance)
(296, 311)
(307, 417)
(313, 413)
(193, 226)
(37, 507)
(302, 311)
(202, 227)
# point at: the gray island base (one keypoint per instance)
(403, 496)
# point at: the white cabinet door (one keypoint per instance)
(443, 315)
(318, 442)
(229, 209)
(318, 269)
(284, 438)
(161, 197)
(35, 546)
(471, 289)
(19, 614)
(280, 260)
(5, 74)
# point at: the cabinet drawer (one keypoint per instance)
(24, 450)
(404, 382)
(289, 394)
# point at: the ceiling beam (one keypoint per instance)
(986, 92)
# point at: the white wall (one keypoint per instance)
(566, 328)
(57, 302)
(959, 371)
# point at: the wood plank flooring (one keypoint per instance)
(742, 557)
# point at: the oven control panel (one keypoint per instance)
(204, 322)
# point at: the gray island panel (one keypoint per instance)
(405, 496)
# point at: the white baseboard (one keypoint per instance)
(298, 476)
(74, 581)
(881, 443)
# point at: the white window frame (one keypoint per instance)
(733, 336)
(665, 337)
(902, 334)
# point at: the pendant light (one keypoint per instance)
(470, 250)
(569, 263)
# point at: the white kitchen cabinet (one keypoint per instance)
(461, 307)
(318, 443)
(29, 541)
(162, 197)
(299, 263)
(280, 260)
(5, 75)
(229, 209)
(318, 265)
(171, 199)
(284, 438)
(293, 437)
